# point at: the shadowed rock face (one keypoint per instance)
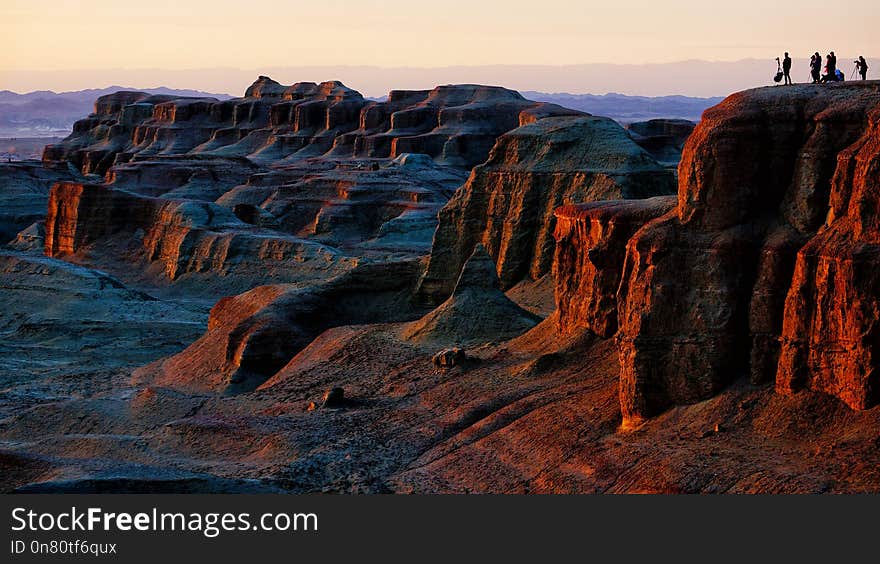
(476, 313)
(663, 138)
(252, 336)
(24, 191)
(507, 204)
(772, 236)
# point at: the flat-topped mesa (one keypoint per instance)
(98, 140)
(507, 203)
(703, 296)
(591, 243)
(454, 124)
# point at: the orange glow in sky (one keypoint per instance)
(66, 35)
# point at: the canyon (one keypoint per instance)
(453, 290)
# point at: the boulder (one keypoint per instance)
(449, 358)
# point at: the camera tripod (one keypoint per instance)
(855, 70)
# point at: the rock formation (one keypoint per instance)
(590, 249)
(507, 203)
(24, 191)
(180, 239)
(772, 237)
(455, 125)
(216, 268)
(476, 313)
(302, 180)
(252, 336)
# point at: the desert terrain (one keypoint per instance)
(454, 290)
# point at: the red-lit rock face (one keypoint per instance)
(831, 328)
(703, 299)
(590, 248)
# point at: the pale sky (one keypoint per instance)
(69, 35)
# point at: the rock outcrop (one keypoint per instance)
(508, 202)
(476, 313)
(281, 184)
(591, 243)
(831, 326)
(361, 207)
(774, 235)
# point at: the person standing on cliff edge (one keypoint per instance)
(786, 68)
(816, 67)
(862, 65)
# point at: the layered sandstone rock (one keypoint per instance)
(590, 249)
(507, 204)
(364, 207)
(456, 125)
(180, 239)
(285, 164)
(703, 287)
(831, 327)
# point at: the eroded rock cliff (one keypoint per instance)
(285, 181)
(199, 242)
(772, 237)
(507, 203)
(591, 243)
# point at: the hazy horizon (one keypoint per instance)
(706, 78)
(376, 45)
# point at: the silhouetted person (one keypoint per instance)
(816, 67)
(830, 68)
(786, 68)
(862, 65)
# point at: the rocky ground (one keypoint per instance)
(456, 290)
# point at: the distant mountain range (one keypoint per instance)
(626, 109)
(45, 113)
